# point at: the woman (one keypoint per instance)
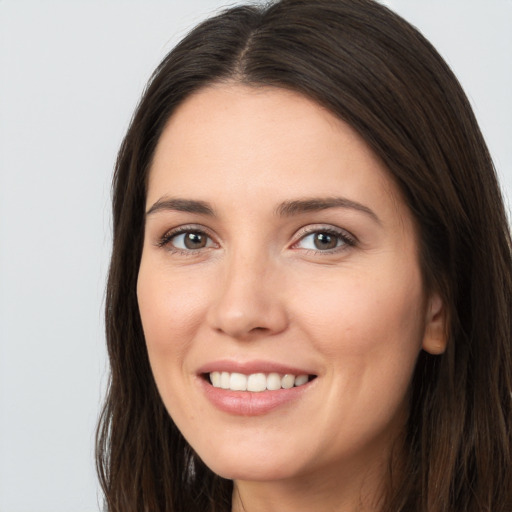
(308, 305)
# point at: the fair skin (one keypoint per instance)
(277, 243)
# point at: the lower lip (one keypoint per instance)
(247, 403)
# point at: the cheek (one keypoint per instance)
(167, 305)
(364, 306)
(370, 329)
(170, 312)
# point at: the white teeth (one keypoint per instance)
(238, 382)
(300, 380)
(288, 381)
(215, 378)
(273, 381)
(256, 382)
(224, 380)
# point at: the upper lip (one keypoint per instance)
(250, 367)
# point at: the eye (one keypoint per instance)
(325, 240)
(186, 240)
(190, 240)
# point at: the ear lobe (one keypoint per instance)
(434, 338)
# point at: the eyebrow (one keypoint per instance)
(290, 208)
(285, 209)
(181, 205)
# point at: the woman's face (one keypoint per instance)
(278, 252)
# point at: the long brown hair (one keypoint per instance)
(376, 72)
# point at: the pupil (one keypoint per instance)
(194, 241)
(325, 241)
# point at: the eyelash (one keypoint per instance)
(347, 239)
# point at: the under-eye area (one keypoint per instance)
(256, 382)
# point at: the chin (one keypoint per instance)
(239, 463)
(251, 472)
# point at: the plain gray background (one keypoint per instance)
(71, 73)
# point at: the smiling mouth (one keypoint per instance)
(256, 382)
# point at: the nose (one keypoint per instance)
(250, 299)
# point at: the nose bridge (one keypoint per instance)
(248, 298)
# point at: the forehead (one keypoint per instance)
(248, 143)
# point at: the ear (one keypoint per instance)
(434, 338)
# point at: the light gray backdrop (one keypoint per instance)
(70, 75)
